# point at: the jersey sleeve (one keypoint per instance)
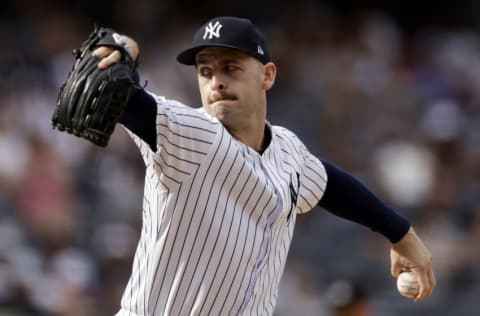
(312, 181)
(310, 174)
(184, 137)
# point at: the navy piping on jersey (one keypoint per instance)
(344, 196)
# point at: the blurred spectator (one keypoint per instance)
(348, 298)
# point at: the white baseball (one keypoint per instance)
(407, 284)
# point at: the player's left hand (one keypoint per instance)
(91, 101)
(110, 55)
(410, 254)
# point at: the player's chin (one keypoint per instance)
(225, 117)
(222, 108)
(221, 116)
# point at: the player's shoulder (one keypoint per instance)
(289, 143)
(179, 110)
(283, 134)
(174, 105)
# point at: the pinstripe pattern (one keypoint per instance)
(218, 217)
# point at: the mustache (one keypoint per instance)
(218, 96)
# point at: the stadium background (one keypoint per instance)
(388, 90)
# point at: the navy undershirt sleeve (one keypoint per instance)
(140, 117)
(346, 197)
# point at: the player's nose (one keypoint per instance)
(217, 83)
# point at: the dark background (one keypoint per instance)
(388, 90)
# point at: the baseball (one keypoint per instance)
(407, 284)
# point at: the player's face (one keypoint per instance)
(232, 85)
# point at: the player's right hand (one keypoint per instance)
(410, 254)
(110, 55)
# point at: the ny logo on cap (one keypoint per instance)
(212, 30)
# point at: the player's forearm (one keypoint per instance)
(139, 117)
(346, 197)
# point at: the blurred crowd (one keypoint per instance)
(399, 110)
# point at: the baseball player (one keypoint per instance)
(223, 187)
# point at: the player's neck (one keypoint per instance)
(253, 137)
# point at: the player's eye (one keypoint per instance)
(205, 72)
(230, 68)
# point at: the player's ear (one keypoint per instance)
(269, 74)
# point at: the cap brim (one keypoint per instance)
(187, 57)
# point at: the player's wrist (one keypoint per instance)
(403, 236)
(413, 249)
(408, 237)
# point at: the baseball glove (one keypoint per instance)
(92, 100)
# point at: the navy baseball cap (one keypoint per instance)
(230, 32)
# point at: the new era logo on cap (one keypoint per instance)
(230, 32)
(260, 50)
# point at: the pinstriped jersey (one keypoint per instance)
(218, 217)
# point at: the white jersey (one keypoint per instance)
(218, 217)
